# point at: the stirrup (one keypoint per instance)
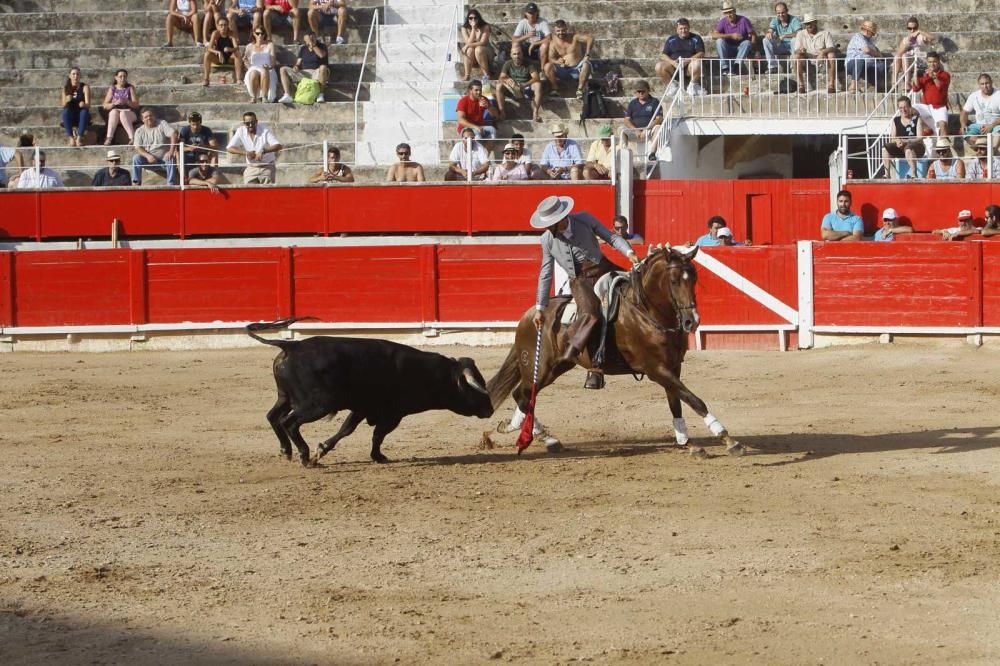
(595, 379)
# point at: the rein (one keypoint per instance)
(641, 305)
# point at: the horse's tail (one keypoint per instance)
(273, 326)
(502, 383)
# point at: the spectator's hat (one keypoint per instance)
(642, 85)
(728, 6)
(724, 231)
(194, 115)
(114, 156)
(965, 215)
(889, 214)
(942, 143)
(558, 129)
(531, 8)
(870, 25)
(808, 18)
(510, 146)
(980, 142)
(604, 132)
(550, 210)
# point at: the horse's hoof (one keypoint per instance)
(736, 450)
(698, 452)
(552, 445)
(504, 427)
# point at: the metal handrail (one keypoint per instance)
(661, 138)
(449, 47)
(372, 33)
(879, 140)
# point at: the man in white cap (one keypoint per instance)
(891, 226)
(113, 175)
(570, 240)
(964, 228)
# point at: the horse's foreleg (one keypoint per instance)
(675, 387)
(680, 425)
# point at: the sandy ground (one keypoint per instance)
(148, 519)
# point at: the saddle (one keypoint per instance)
(608, 290)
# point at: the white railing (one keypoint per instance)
(447, 66)
(534, 169)
(372, 35)
(652, 139)
(886, 105)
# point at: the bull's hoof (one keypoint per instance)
(314, 462)
(379, 458)
(306, 461)
(287, 455)
(698, 452)
(736, 449)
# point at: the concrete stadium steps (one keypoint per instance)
(143, 17)
(355, 7)
(193, 93)
(342, 76)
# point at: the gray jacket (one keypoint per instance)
(578, 242)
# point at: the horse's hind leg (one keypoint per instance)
(274, 416)
(550, 367)
(675, 387)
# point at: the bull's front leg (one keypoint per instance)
(381, 430)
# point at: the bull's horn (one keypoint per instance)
(473, 382)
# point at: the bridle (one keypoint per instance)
(640, 303)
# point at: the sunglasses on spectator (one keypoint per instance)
(258, 33)
(403, 153)
(618, 228)
(248, 123)
(911, 27)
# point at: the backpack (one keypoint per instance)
(613, 84)
(307, 91)
(594, 105)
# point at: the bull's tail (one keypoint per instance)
(273, 326)
(502, 383)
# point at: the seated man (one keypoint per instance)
(521, 80)
(468, 156)
(334, 171)
(842, 224)
(685, 49)
(946, 166)
(281, 12)
(934, 85)
(992, 217)
(639, 116)
(864, 61)
(561, 159)
(811, 42)
(904, 139)
(259, 146)
(533, 34)
(780, 35)
(155, 146)
(204, 174)
(404, 171)
(312, 63)
(621, 228)
(964, 228)
(45, 179)
(113, 175)
(734, 38)
(981, 166)
(711, 239)
(890, 227)
(569, 58)
(245, 14)
(600, 161)
(326, 12)
(510, 168)
(726, 239)
(198, 140)
(985, 103)
(475, 111)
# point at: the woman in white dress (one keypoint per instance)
(261, 79)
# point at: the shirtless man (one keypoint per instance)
(569, 58)
(404, 171)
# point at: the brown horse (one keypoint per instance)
(650, 336)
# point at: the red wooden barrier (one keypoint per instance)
(773, 269)
(926, 206)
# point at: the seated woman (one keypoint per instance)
(223, 49)
(183, 15)
(912, 47)
(261, 80)
(476, 49)
(945, 167)
(121, 102)
(76, 107)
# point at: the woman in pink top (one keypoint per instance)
(120, 102)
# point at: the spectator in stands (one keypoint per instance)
(244, 13)
(281, 12)
(198, 140)
(865, 63)
(524, 157)
(509, 168)
(24, 155)
(477, 112)
(985, 103)
(468, 156)
(685, 49)
(334, 171)
(155, 146)
(600, 161)
(639, 115)
(621, 228)
(933, 83)
(223, 48)
(45, 179)
(964, 228)
(325, 12)
(569, 58)
(811, 42)
(7, 156)
(780, 36)
(904, 138)
(76, 107)
(405, 171)
(204, 174)
(711, 239)
(561, 159)
(911, 46)
(842, 224)
(113, 175)
(726, 239)
(475, 49)
(261, 79)
(520, 78)
(214, 11)
(734, 38)
(312, 63)
(120, 102)
(183, 15)
(946, 166)
(532, 33)
(978, 167)
(992, 216)
(891, 226)
(259, 146)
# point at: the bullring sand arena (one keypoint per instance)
(147, 519)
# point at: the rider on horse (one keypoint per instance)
(571, 242)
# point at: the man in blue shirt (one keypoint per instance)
(685, 49)
(842, 224)
(562, 159)
(891, 226)
(780, 35)
(711, 239)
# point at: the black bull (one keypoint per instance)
(377, 380)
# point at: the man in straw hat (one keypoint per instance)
(811, 42)
(562, 159)
(570, 240)
(734, 38)
(865, 62)
(113, 175)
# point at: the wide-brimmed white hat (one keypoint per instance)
(808, 18)
(942, 144)
(550, 210)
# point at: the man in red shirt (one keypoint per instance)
(934, 85)
(477, 112)
(281, 11)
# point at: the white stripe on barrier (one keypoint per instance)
(747, 287)
(806, 315)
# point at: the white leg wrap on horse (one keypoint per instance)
(714, 424)
(681, 431)
(537, 427)
(516, 419)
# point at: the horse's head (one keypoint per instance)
(670, 277)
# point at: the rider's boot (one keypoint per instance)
(578, 338)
